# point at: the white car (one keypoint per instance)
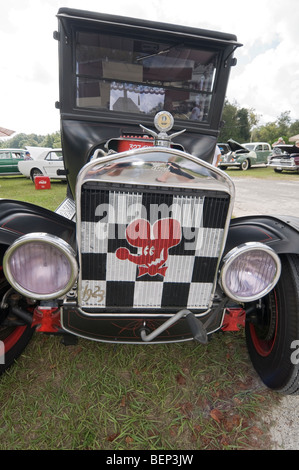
(46, 164)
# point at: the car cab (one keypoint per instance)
(261, 149)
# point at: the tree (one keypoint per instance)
(281, 127)
(294, 128)
(21, 141)
(243, 125)
(52, 140)
(268, 133)
(283, 122)
(229, 121)
(238, 123)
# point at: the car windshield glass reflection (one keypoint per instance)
(136, 76)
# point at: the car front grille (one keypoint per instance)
(147, 250)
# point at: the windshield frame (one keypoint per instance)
(121, 74)
(70, 21)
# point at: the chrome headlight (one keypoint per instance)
(40, 266)
(249, 272)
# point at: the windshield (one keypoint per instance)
(249, 146)
(122, 74)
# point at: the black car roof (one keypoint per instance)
(215, 36)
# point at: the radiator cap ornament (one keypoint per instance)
(163, 121)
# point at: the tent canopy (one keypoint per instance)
(5, 132)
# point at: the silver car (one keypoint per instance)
(287, 159)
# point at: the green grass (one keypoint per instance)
(262, 173)
(124, 397)
(23, 189)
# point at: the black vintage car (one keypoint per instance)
(144, 247)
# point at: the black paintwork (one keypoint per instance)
(289, 149)
(19, 218)
(280, 233)
(118, 329)
(84, 130)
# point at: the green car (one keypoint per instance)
(9, 159)
(246, 155)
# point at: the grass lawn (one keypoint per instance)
(22, 189)
(124, 397)
(263, 173)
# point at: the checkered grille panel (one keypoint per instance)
(148, 250)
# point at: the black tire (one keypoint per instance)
(13, 339)
(245, 165)
(273, 340)
(277, 171)
(35, 172)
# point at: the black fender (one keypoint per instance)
(281, 233)
(18, 218)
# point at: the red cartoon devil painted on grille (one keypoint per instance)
(154, 242)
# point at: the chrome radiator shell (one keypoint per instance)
(129, 274)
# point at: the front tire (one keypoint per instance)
(272, 334)
(245, 165)
(14, 338)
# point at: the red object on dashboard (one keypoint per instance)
(134, 143)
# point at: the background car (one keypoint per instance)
(246, 155)
(287, 160)
(224, 148)
(47, 164)
(9, 160)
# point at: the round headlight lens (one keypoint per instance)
(40, 266)
(249, 272)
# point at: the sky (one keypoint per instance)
(266, 78)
